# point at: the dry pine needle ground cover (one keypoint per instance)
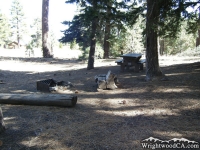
(102, 119)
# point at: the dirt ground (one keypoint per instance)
(102, 119)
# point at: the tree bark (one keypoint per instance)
(107, 32)
(18, 36)
(198, 39)
(162, 47)
(93, 38)
(2, 125)
(45, 29)
(152, 64)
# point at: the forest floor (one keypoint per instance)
(102, 119)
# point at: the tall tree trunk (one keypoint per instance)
(18, 39)
(93, 39)
(18, 36)
(45, 29)
(158, 44)
(107, 32)
(198, 39)
(162, 47)
(152, 64)
(2, 125)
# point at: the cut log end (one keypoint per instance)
(74, 101)
(106, 81)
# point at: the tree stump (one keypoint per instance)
(2, 125)
(106, 81)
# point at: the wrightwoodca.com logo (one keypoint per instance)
(175, 143)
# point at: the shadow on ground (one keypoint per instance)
(111, 119)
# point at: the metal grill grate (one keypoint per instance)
(44, 85)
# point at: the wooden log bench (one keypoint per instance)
(61, 100)
(119, 61)
(123, 65)
(106, 81)
(138, 65)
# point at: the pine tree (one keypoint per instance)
(112, 16)
(164, 18)
(134, 41)
(184, 41)
(4, 30)
(198, 32)
(36, 35)
(45, 30)
(152, 64)
(109, 17)
(18, 27)
(79, 30)
(107, 31)
(91, 14)
(95, 20)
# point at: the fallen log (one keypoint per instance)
(60, 100)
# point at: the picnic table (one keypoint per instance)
(131, 60)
